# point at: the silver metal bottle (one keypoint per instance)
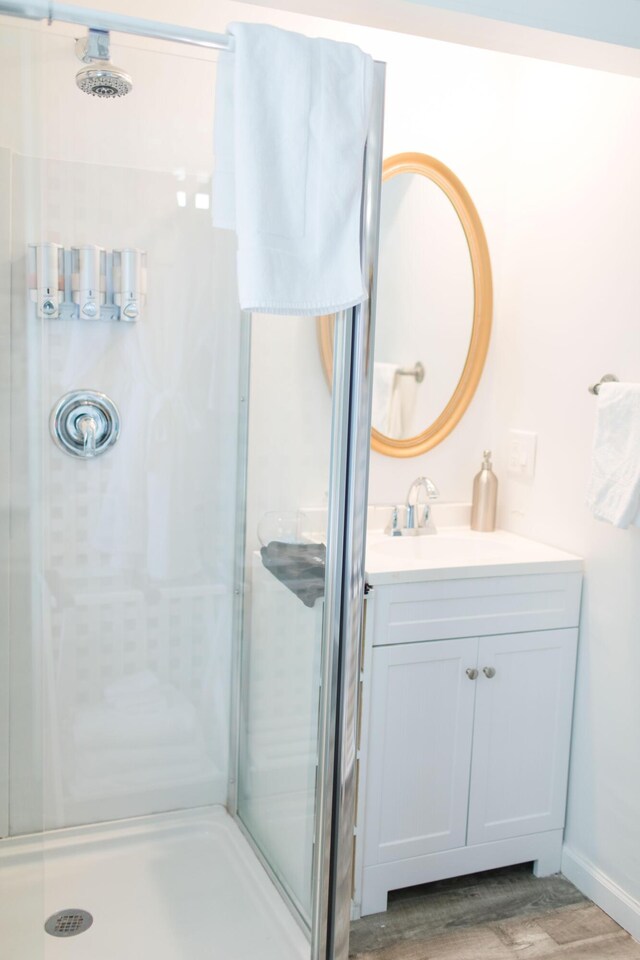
(485, 497)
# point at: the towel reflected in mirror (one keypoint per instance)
(394, 401)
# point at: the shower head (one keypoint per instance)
(100, 78)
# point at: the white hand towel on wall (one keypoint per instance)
(614, 488)
(291, 121)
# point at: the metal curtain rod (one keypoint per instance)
(115, 22)
(119, 23)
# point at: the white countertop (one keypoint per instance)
(458, 552)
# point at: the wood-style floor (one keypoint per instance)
(498, 915)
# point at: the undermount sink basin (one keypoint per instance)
(453, 550)
(461, 547)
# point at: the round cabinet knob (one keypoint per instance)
(489, 672)
(472, 673)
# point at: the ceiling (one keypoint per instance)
(600, 34)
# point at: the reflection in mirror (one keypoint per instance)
(434, 304)
(424, 306)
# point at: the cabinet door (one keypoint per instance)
(419, 750)
(521, 734)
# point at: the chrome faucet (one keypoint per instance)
(414, 517)
(419, 519)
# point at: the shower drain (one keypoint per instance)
(68, 923)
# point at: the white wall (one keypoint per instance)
(568, 306)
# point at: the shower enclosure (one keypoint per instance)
(177, 725)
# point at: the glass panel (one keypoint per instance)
(122, 564)
(289, 452)
(131, 551)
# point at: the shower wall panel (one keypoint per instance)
(134, 580)
(121, 567)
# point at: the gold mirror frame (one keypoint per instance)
(463, 205)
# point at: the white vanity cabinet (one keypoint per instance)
(467, 697)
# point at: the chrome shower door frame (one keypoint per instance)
(5, 494)
(353, 374)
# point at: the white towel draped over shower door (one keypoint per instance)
(614, 486)
(292, 115)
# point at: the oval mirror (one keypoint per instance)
(434, 305)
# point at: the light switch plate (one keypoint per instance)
(521, 454)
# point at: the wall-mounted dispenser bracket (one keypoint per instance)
(129, 282)
(47, 278)
(87, 282)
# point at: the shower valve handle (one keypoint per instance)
(85, 423)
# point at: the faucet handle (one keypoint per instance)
(88, 429)
(394, 527)
(432, 489)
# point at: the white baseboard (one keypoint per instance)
(604, 891)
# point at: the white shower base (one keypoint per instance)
(178, 886)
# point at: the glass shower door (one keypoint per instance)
(301, 557)
(288, 463)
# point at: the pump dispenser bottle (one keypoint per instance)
(485, 496)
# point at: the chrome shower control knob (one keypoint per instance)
(85, 423)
